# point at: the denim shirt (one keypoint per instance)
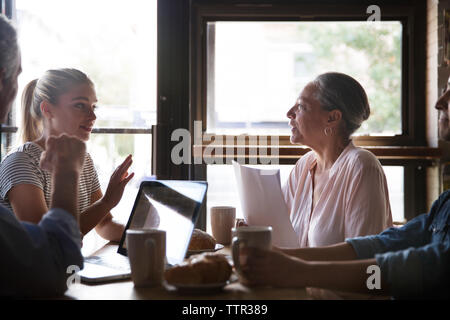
(414, 259)
(35, 258)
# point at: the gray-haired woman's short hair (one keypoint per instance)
(340, 91)
(9, 49)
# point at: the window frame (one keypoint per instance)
(408, 149)
(413, 86)
(8, 7)
(181, 78)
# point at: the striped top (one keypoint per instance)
(21, 166)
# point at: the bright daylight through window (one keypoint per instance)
(116, 48)
(260, 68)
(256, 71)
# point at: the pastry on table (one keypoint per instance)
(200, 269)
(201, 240)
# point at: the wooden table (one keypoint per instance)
(125, 290)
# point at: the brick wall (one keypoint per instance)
(436, 79)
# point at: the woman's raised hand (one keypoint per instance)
(117, 183)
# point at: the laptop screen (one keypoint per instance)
(169, 205)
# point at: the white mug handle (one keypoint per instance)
(150, 245)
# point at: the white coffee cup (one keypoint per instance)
(147, 254)
(251, 236)
(222, 221)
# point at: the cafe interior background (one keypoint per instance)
(233, 69)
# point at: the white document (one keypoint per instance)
(263, 203)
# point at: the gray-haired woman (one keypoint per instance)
(337, 190)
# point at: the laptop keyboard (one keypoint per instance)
(118, 262)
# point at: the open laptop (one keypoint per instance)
(169, 205)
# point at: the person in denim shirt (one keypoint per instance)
(413, 261)
(36, 257)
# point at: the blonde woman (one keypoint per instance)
(61, 101)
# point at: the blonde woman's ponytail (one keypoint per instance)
(32, 126)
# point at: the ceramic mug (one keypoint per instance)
(222, 221)
(251, 236)
(147, 254)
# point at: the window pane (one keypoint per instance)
(108, 151)
(394, 177)
(6, 143)
(222, 188)
(114, 43)
(257, 70)
(115, 47)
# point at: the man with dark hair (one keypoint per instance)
(36, 258)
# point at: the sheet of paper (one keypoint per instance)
(263, 203)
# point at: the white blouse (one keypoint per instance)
(354, 202)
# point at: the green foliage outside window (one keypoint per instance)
(370, 52)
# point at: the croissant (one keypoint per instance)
(200, 269)
(201, 240)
